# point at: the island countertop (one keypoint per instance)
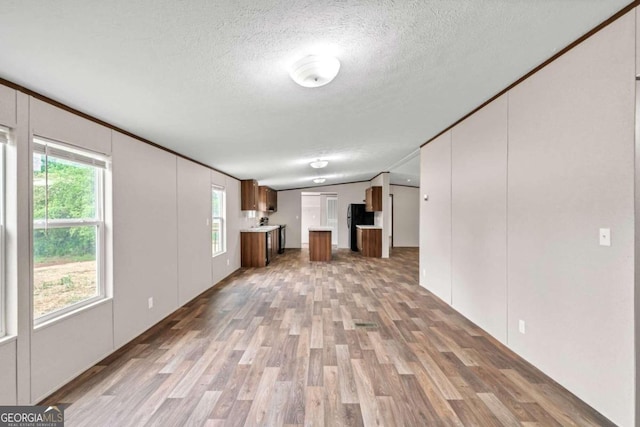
(261, 229)
(369, 227)
(320, 228)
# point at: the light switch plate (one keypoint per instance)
(150, 302)
(521, 326)
(605, 237)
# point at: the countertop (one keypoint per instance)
(320, 228)
(261, 229)
(369, 227)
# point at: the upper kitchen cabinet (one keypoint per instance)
(268, 199)
(273, 200)
(249, 195)
(373, 199)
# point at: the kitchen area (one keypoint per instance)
(277, 213)
(260, 244)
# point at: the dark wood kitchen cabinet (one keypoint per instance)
(258, 248)
(373, 199)
(253, 249)
(249, 195)
(275, 243)
(370, 242)
(268, 199)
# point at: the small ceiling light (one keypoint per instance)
(314, 70)
(318, 164)
(408, 180)
(319, 180)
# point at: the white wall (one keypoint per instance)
(8, 375)
(145, 236)
(289, 210)
(194, 230)
(57, 124)
(435, 216)
(406, 216)
(62, 350)
(479, 218)
(570, 171)
(8, 111)
(571, 147)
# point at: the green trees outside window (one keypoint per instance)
(67, 227)
(63, 190)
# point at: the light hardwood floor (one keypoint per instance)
(352, 342)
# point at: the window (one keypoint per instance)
(68, 228)
(4, 138)
(218, 227)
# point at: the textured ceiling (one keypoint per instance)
(208, 79)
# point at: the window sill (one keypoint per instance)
(218, 254)
(6, 339)
(70, 314)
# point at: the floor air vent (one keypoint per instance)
(366, 325)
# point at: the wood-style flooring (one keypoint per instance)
(352, 342)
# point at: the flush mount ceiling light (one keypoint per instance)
(314, 70)
(319, 180)
(318, 164)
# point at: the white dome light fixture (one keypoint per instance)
(319, 180)
(319, 164)
(314, 70)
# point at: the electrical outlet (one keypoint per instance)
(605, 237)
(521, 326)
(150, 303)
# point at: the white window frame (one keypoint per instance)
(4, 139)
(223, 219)
(64, 151)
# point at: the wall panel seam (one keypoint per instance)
(506, 218)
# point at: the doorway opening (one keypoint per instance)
(318, 209)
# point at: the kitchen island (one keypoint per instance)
(320, 243)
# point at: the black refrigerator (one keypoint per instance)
(357, 215)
